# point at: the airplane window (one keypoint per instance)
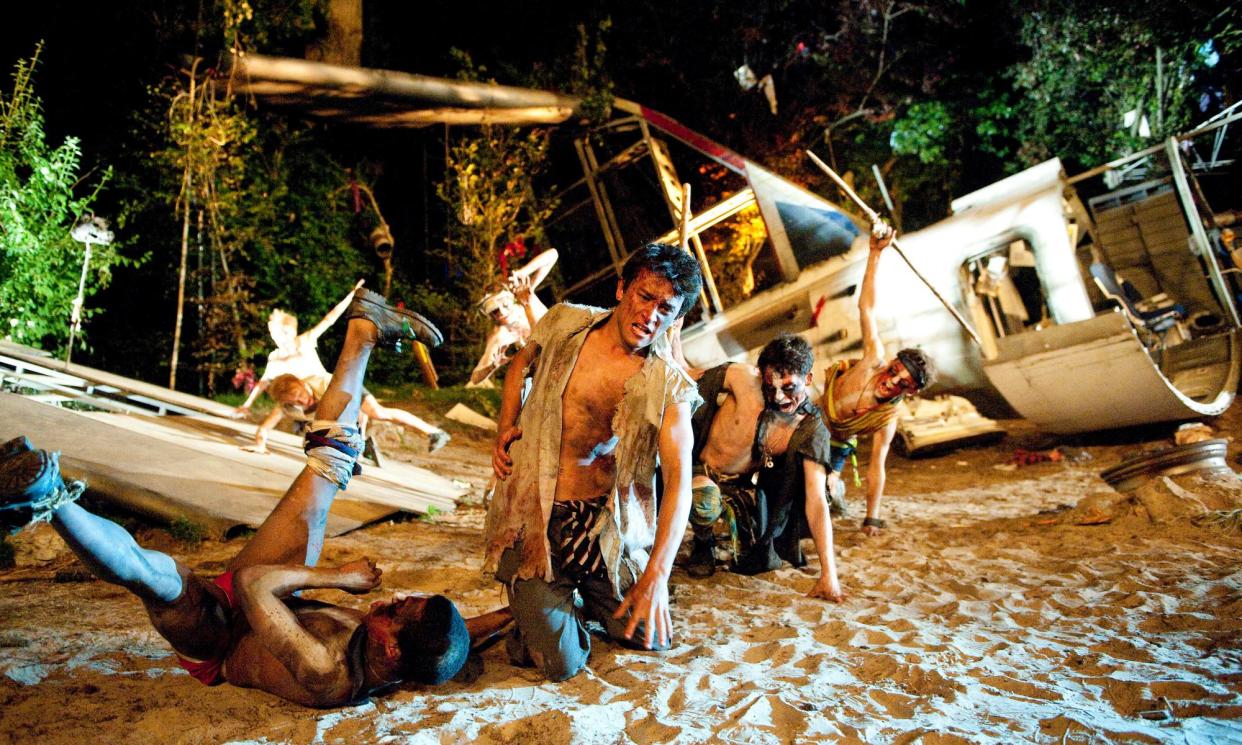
(1006, 284)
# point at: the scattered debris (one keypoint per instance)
(1095, 516)
(1023, 457)
(1229, 521)
(1164, 500)
(1205, 456)
(466, 415)
(1075, 455)
(1162, 714)
(1193, 432)
(937, 423)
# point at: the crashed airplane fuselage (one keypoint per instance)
(1015, 259)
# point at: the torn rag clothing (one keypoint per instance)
(766, 509)
(846, 430)
(722, 500)
(332, 451)
(302, 362)
(211, 672)
(522, 505)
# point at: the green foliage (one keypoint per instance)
(268, 26)
(1085, 72)
(430, 514)
(489, 189)
(1092, 76)
(259, 200)
(186, 530)
(589, 76)
(269, 225)
(994, 120)
(210, 141)
(40, 263)
(922, 132)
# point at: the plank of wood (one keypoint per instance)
(168, 471)
(149, 390)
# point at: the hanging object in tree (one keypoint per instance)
(89, 230)
(514, 249)
(382, 241)
(745, 77)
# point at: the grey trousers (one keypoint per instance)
(552, 623)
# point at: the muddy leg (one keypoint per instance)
(293, 533)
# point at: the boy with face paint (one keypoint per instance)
(514, 309)
(247, 627)
(760, 462)
(861, 396)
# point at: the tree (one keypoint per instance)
(489, 189)
(41, 195)
(495, 210)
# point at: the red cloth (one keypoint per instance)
(210, 672)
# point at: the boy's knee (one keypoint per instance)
(706, 504)
(562, 664)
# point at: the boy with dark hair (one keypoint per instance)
(575, 511)
(246, 626)
(861, 396)
(761, 453)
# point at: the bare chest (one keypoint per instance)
(730, 446)
(854, 393)
(252, 664)
(596, 388)
(774, 435)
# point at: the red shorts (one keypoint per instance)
(210, 672)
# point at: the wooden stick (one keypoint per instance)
(685, 217)
(874, 218)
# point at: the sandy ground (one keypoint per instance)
(986, 613)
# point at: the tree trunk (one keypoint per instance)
(342, 40)
(185, 248)
(186, 194)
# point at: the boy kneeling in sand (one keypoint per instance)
(761, 453)
(246, 627)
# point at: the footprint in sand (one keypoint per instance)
(651, 730)
(773, 653)
(1020, 687)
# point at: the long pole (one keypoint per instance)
(874, 217)
(684, 228)
(75, 319)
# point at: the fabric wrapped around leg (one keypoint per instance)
(31, 487)
(332, 451)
